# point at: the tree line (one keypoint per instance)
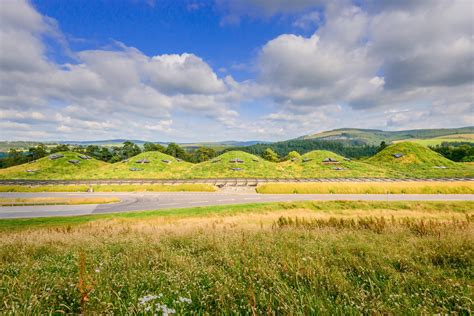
(352, 149)
(459, 151)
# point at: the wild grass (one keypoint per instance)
(111, 188)
(54, 201)
(457, 187)
(280, 258)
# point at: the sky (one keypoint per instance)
(191, 71)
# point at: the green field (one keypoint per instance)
(417, 161)
(455, 138)
(280, 258)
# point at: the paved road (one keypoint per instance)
(154, 201)
(221, 181)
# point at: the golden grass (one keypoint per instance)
(155, 228)
(111, 188)
(458, 187)
(55, 200)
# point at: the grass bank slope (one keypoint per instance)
(226, 166)
(315, 164)
(158, 165)
(419, 161)
(282, 258)
(60, 168)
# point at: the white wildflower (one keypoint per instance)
(185, 300)
(147, 298)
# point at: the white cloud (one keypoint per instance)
(104, 89)
(417, 57)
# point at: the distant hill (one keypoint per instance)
(374, 137)
(117, 142)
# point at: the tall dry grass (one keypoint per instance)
(457, 187)
(339, 258)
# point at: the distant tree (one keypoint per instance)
(382, 146)
(15, 157)
(115, 158)
(93, 151)
(105, 154)
(203, 154)
(153, 147)
(130, 149)
(37, 152)
(270, 155)
(177, 151)
(60, 147)
(293, 154)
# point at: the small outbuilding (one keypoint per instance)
(338, 168)
(55, 156)
(236, 169)
(398, 155)
(166, 161)
(236, 160)
(330, 160)
(179, 159)
(307, 159)
(73, 161)
(85, 157)
(142, 161)
(136, 169)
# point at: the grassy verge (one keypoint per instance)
(110, 188)
(280, 258)
(461, 187)
(55, 201)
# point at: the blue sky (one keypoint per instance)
(220, 70)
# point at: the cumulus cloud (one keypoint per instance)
(122, 83)
(418, 57)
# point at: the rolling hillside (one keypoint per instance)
(150, 164)
(61, 168)
(374, 137)
(405, 159)
(235, 164)
(419, 161)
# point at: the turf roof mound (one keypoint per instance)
(65, 165)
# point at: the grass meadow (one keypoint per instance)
(277, 258)
(429, 187)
